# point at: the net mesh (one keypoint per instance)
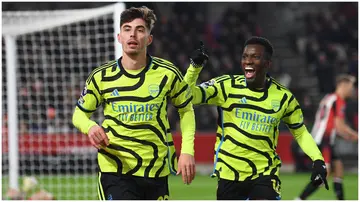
(52, 66)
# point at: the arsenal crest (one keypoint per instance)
(275, 104)
(154, 90)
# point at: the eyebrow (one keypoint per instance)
(138, 26)
(252, 54)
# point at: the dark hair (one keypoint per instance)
(143, 12)
(261, 41)
(345, 78)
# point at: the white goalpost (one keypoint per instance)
(46, 58)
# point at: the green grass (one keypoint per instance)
(203, 187)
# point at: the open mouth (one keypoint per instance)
(132, 43)
(249, 72)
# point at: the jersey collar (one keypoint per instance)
(268, 82)
(123, 70)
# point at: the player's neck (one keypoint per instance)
(133, 62)
(340, 93)
(257, 84)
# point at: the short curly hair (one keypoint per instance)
(143, 12)
(261, 41)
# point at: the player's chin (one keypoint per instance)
(132, 51)
(250, 80)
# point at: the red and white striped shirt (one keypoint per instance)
(331, 106)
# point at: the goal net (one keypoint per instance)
(54, 51)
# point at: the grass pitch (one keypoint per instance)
(84, 187)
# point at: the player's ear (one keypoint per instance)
(119, 38)
(269, 63)
(150, 39)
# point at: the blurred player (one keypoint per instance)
(250, 108)
(30, 190)
(329, 122)
(135, 148)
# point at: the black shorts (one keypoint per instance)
(264, 187)
(328, 152)
(126, 187)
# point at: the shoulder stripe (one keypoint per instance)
(171, 68)
(98, 69)
(162, 60)
(110, 78)
(240, 78)
(279, 85)
(222, 78)
(95, 85)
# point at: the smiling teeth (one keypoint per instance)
(249, 68)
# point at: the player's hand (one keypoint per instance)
(186, 166)
(319, 173)
(198, 58)
(98, 137)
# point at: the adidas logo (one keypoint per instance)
(243, 100)
(115, 93)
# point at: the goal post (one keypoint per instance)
(12, 111)
(47, 56)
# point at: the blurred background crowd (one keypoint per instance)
(313, 43)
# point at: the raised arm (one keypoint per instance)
(210, 92)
